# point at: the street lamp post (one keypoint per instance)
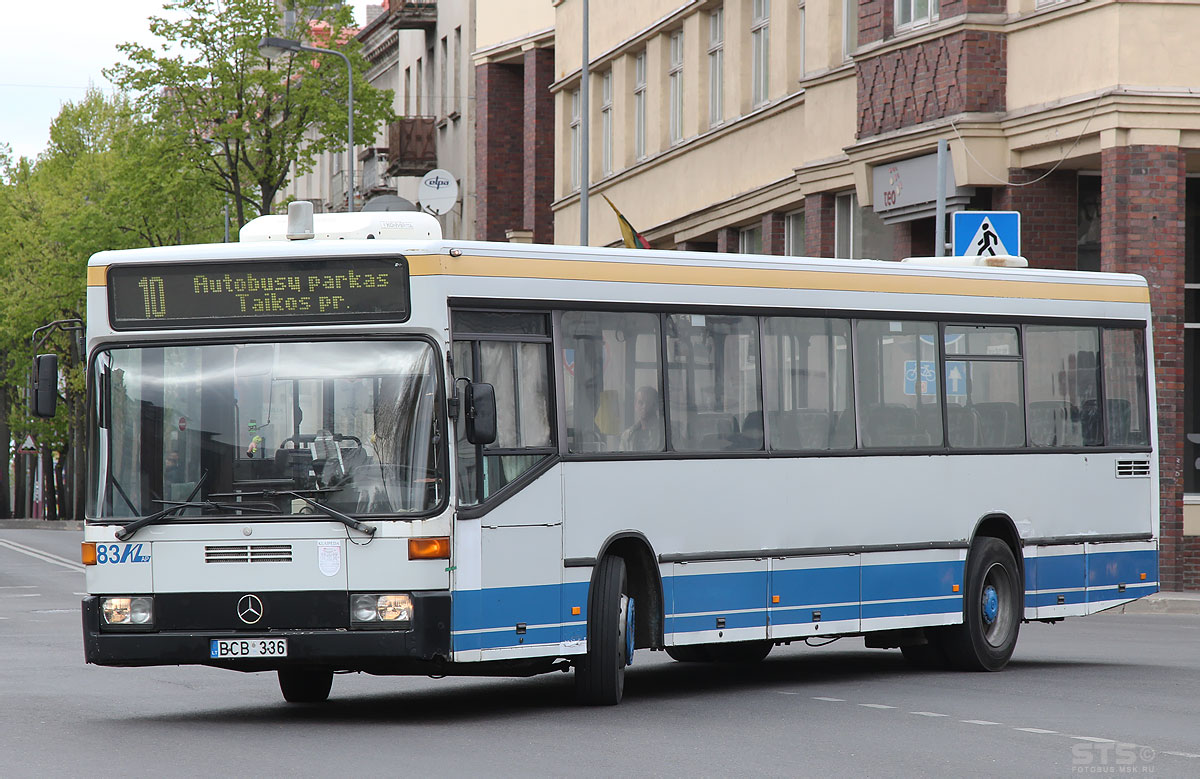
(271, 48)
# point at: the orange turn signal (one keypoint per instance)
(429, 548)
(954, 588)
(87, 552)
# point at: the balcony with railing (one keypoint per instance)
(412, 146)
(412, 14)
(373, 162)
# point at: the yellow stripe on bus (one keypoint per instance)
(846, 281)
(97, 275)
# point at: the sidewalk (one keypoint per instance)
(38, 524)
(1165, 603)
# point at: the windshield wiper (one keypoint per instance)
(125, 533)
(303, 495)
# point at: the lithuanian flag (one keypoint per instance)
(633, 239)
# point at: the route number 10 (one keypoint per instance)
(154, 296)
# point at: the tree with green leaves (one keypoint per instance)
(248, 121)
(110, 179)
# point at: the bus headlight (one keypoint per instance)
(127, 612)
(391, 610)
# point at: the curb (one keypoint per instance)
(40, 524)
(1165, 603)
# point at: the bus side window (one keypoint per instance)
(512, 355)
(898, 383)
(612, 374)
(807, 383)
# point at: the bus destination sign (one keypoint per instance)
(287, 292)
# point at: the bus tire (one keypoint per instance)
(305, 685)
(992, 609)
(600, 674)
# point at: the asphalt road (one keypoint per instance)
(1112, 693)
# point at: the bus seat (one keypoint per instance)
(1000, 424)
(1049, 421)
(813, 428)
(1091, 423)
(893, 425)
(843, 430)
(930, 416)
(962, 426)
(1120, 422)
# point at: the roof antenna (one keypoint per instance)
(300, 220)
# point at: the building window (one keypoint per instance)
(716, 66)
(639, 106)
(859, 232)
(802, 31)
(606, 127)
(675, 79)
(575, 139)
(457, 68)
(760, 50)
(909, 13)
(444, 73)
(420, 84)
(850, 24)
(750, 240)
(793, 234)
(408, 95)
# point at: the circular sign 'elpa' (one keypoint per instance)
(439, 191)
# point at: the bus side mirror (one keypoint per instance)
(479, 401)
(43, 395)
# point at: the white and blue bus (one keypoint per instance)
(375, 450)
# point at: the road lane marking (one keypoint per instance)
(17, 586)
(978, 722)
(875, 706)
(1095, 740)
(1178, 754)
(927, 714)
(1038, 731)
(831, 700)
(38, 554)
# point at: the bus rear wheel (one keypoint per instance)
(992, 609)
(600, 674)
(305, 685)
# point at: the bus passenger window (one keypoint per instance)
(984, 408)
(898, 384)
(1063, 384)
(1125, 391)
(712, 375)
(807, 383)
(612, 376)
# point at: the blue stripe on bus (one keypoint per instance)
(900, 581)
(720, 592)
(693, 603)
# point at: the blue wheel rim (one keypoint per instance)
(991, 604)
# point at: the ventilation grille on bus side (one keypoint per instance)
(1132, 469)
(243, 553)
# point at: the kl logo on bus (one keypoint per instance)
(120, 553)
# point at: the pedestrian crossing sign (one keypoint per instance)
(987, 233)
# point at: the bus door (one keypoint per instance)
(509, 493)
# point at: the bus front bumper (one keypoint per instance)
(422, 647)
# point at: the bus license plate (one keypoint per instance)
(222, 648)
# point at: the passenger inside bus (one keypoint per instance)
(646, 432)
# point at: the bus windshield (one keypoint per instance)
(247, 428)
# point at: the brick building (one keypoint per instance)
(810, 127)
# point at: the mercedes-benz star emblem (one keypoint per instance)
(250, 609)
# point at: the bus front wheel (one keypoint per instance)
(992, 609)
(600, 674)
(304, 685)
